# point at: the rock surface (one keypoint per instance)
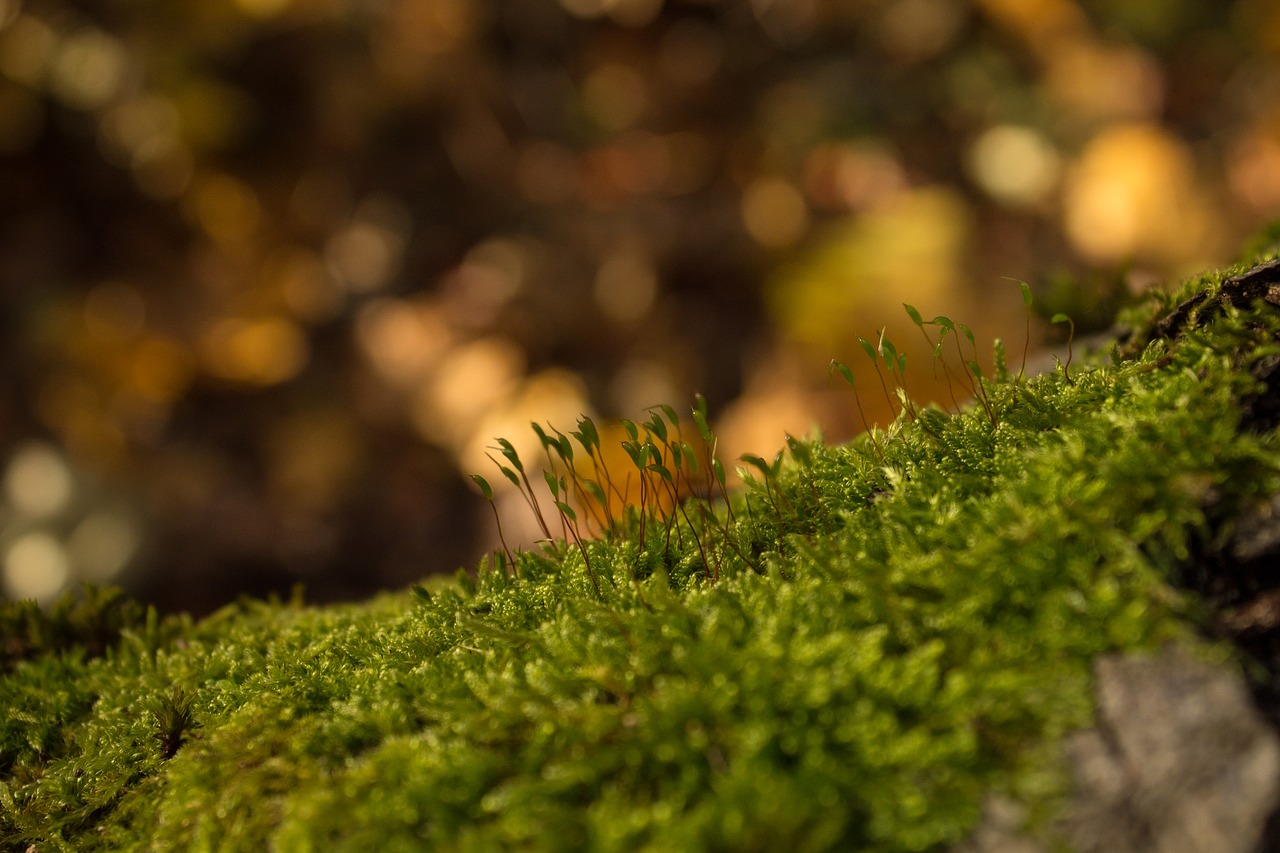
(1180, 761)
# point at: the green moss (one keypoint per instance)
(891, 629)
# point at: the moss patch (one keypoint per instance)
(849, 654)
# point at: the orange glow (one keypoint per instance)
(1134, 193)
(1043, 23)
(257, 352)
(551, 396)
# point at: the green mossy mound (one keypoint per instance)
(850, 656)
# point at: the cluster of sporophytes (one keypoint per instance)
(848, 653)
(649, 502)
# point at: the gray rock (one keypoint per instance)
(1001, 830)
(1180, 761)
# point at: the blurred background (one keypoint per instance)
(274, 273)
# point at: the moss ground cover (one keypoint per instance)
(847, 654)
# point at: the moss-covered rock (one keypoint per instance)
(855, 653)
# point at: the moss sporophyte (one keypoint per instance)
(850, 652)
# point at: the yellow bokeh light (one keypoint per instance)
(364, 255)
(212, 114)
(756, 423)
(26, 49)
(403, 340)
(774, 213)
(1101, 83)
(854, 281)
(1133, 194)
(553, 396)
(1043, 23)
(417, 38)
(143, 133)
(368, 251)
(258, 352)
(468, 382)
(88, 68)
(73, 408)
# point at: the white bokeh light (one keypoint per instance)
(35, 566)
(38, 483)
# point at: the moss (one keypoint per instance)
(849, 654)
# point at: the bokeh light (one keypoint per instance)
(102, 545)
(35, 566)
(275, 273)
(87, 69)
(1015, 165)
(1134, 193)
(37, 481)
(774, 213)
